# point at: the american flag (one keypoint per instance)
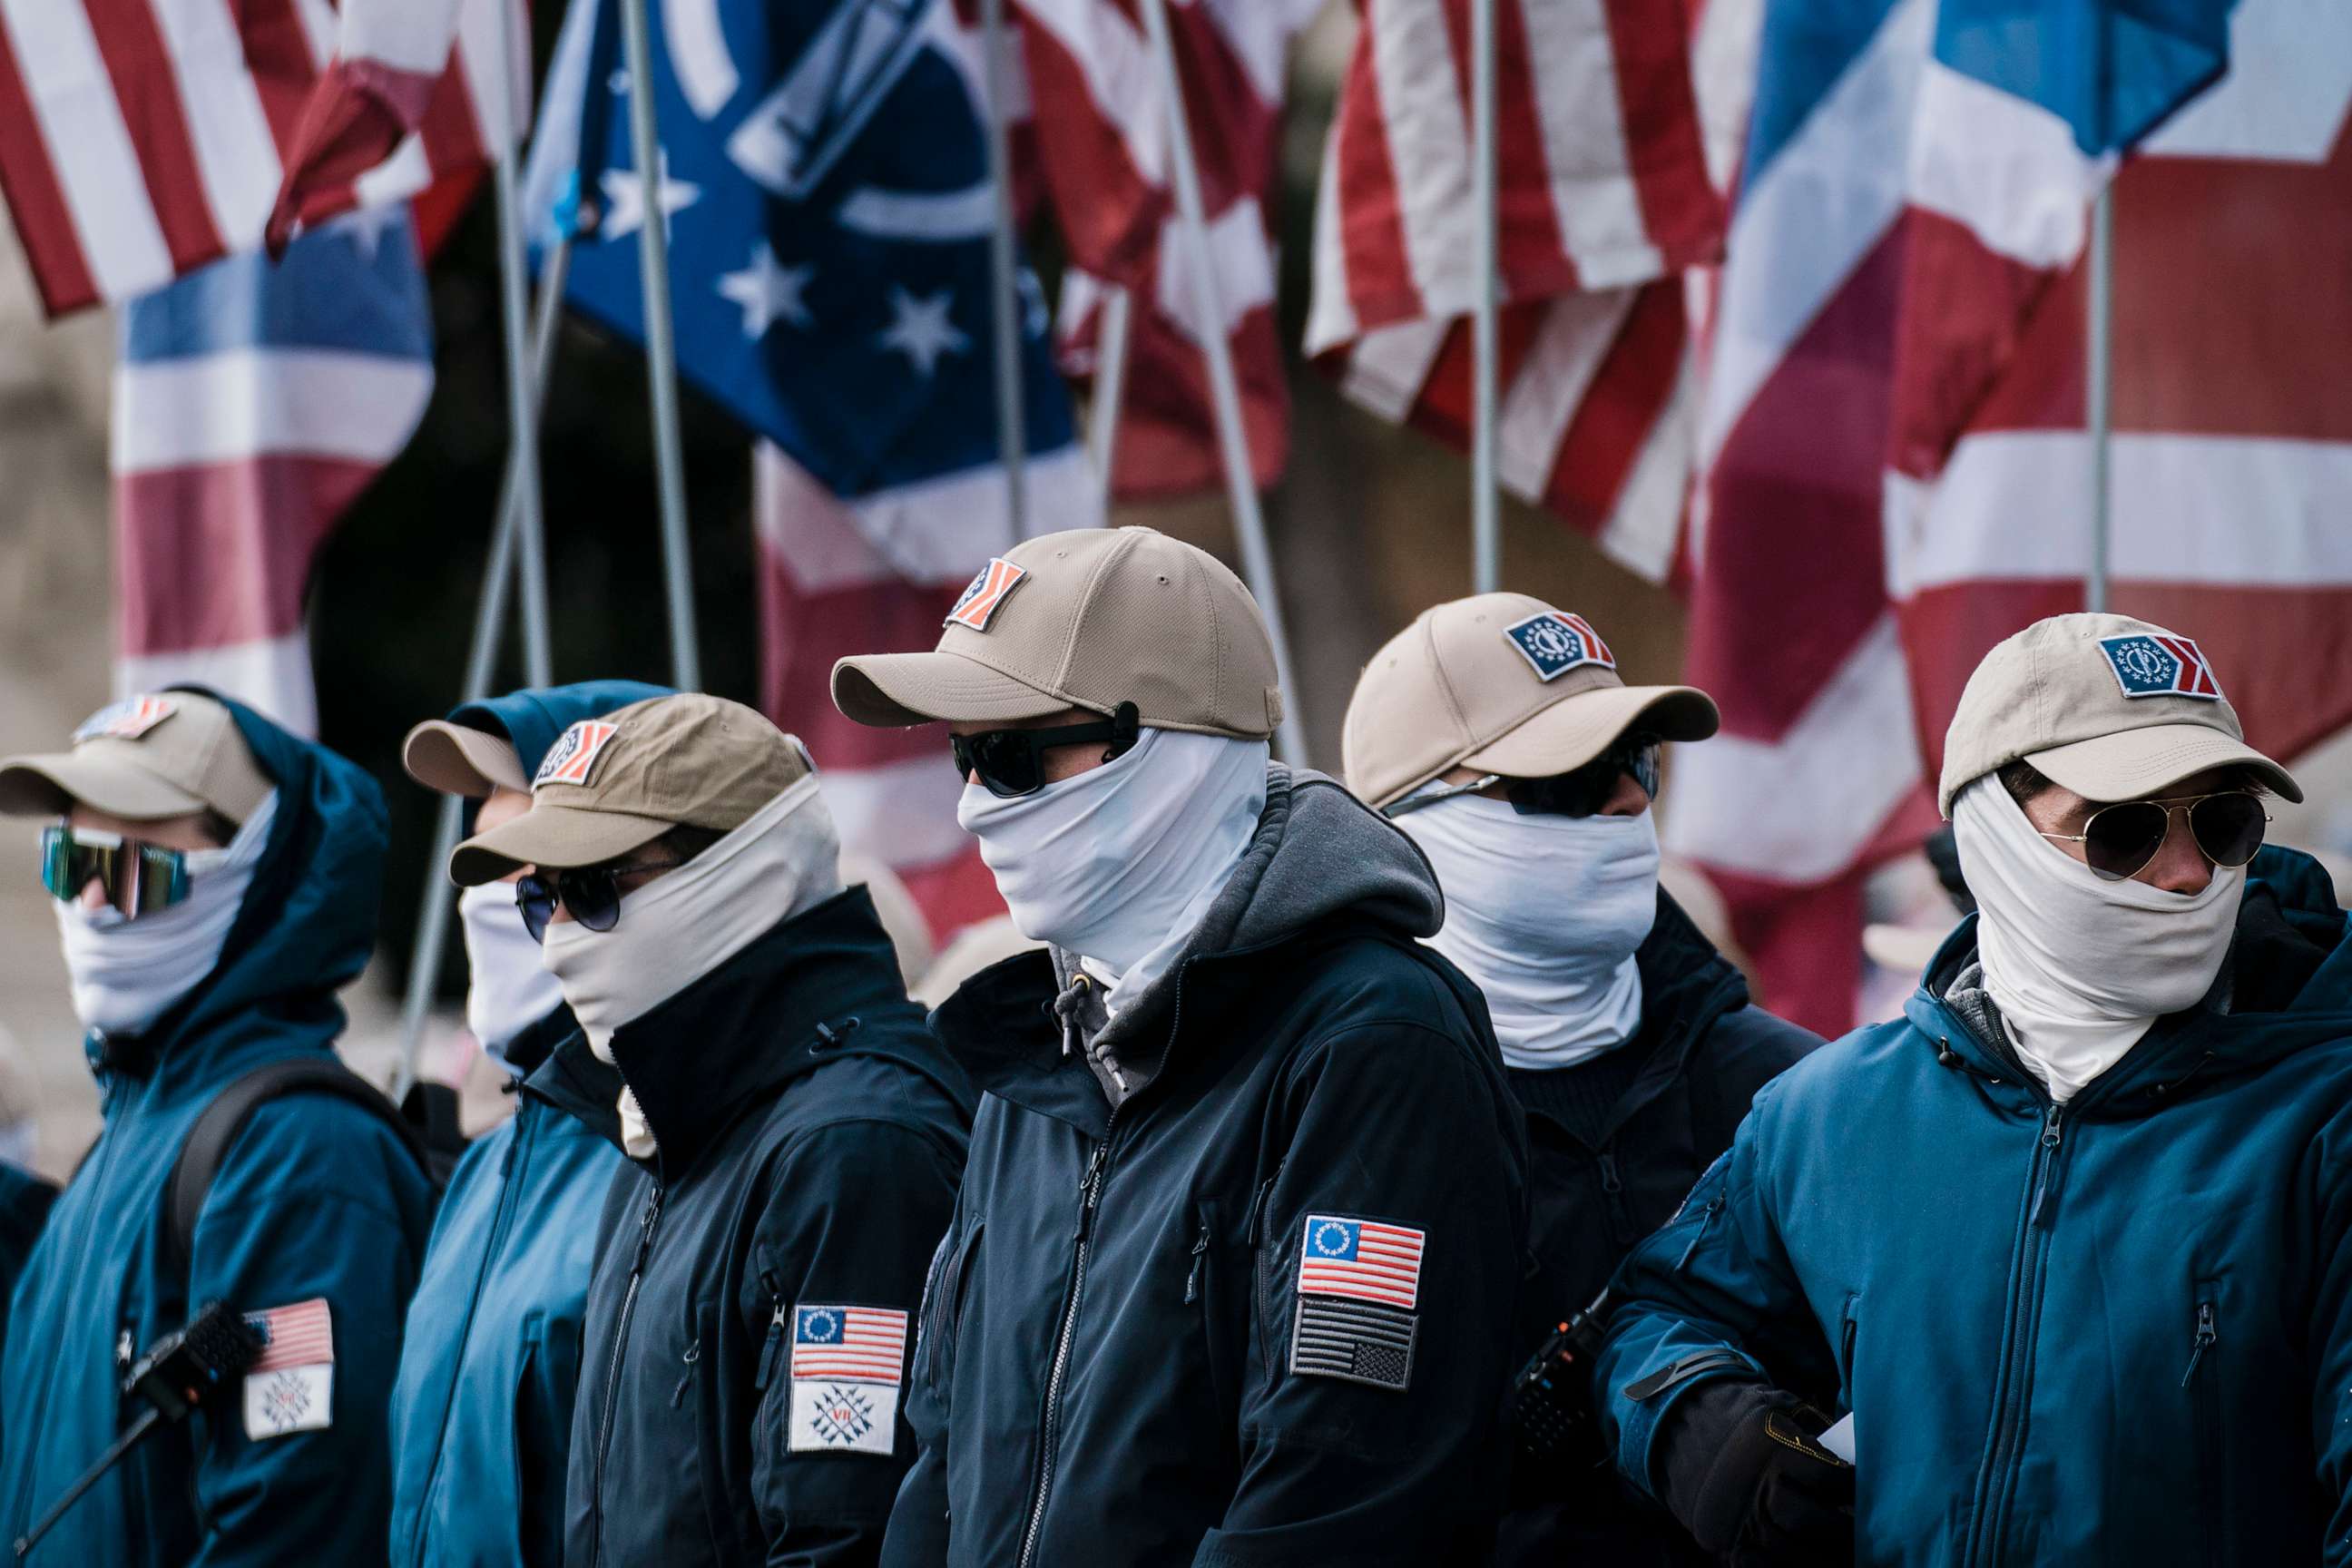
(861, 1345)
(142, 139)
(253, 403)
(1610, 154)
(302, 1334)
(1362, 1258)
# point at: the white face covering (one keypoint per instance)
(1120, 863)
(678, 927)
(126, 974)
(1545, 913)
(2079, 966)
(508, 989)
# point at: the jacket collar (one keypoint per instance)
(570, 1079)
(793, 999)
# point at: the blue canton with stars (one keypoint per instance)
(825, 186)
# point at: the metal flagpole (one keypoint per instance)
(1485, 520)
(2099, 377)
(1004, 271)
(531, 552)
(1233, 440)
(1110, 390)
(661, 349)
(433, 910)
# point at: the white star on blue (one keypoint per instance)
(768, 291)
(920, 330)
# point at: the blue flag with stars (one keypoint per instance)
(824, 184)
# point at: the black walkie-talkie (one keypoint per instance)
(1552, 1419)
(186, 1370)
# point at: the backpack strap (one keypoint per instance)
(216, 1127)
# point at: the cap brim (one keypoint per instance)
(1573, 732)
(2132, 764)
(556, 835)
(50, 785)
(892, 690)
(456, 760)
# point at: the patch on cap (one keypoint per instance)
(2148, 665)
(1556, 642)
(127, 720)
(573, 758)
(979, 604)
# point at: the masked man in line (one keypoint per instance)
(216, 882)
(2069, 1239)
(482, 1415)
(1496, 731)
(1231, 1277)
(796, 1138)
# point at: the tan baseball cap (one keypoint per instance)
(610, 784)
(1503, 683)
(167, 753)
(2112, 708)
(1089, 618)
(458, 760)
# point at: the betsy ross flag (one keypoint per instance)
(142, 139)
(862, 1345)
(1361, 1257)
(253, 403)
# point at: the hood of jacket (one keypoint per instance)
(308, 921)
(534, 718)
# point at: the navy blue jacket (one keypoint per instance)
(316, 1199)
(481, 1414)
(756, 1288)
(2118, 1332)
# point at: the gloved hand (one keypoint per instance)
(1744, 1475)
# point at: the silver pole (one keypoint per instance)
(2099, 379)
(661, 351)
(530, 554)
(1233, 440)
(433, 910)
(1485, 520)
(1004, 271)
(1110, 389)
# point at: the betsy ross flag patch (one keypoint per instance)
(573, 758)
(291, 1387)
(2147, 666)
(127, 720)
(1358, 1285)
(986, 592)
(847, 1364)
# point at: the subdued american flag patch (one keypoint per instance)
(291, 1386)
(1358, 1284)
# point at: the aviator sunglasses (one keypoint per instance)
(1011, 762)
(2118, 841)
(137, 876)
(593, 894)
(1580, 791)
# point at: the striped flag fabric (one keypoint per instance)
(141, 140)
(1609, 116)
(301, 1335)
(253, 403)
(1360, 1257)
(862, 1345)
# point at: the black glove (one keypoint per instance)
(1743, 1473)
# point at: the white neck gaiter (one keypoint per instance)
(1120, 863)
(508, 989)
(1545, 913)
(126, 974)
(2079, 966)
(678, 928)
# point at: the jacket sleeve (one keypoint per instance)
(857, 1210)
(317, 1201)
(1369, 1423)
(1711, 1295)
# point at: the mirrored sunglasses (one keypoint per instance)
(137, 878)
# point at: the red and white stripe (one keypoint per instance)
(302, 1334)
(1386, 1268)
(142, 139)
(1605, 196)
(873, 1348)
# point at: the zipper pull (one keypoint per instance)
(2206, 1334)
(1609, 1179)
(768, 1350)
(693, 1354)
(646, 1232)
(2044, 1187)
(1089, 1190)
(1192, 1280)
(1705, 1218)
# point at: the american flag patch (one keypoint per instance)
(847, 1362)
(1359, 1282)
(573, 758)
(291, 1387)
(301, 1335)
(1362, 1258)
(127, 720)
(978, 606)
(1353, 1341)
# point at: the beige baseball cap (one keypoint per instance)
(456, 759)
(1089, 618)
(1503, 683)
(167, 753)
(610, 784)
(2112, 708)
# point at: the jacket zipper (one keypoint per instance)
(2033, 1240)
(1090, 1194)
(2209, 1455)
(613, 1375)
(1706, 1220)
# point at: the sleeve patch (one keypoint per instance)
(1356, 1342)
(291, 1387)
(1362, 1259)
(1359, 1286)
(848, 1364)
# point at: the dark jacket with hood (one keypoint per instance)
(757, 1280)
(1613, 1144)
(1117, 1365)
(2116, 1332)
(316, 1199)
(481, 1414)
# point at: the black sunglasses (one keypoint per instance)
(593, 894)
(1580, 791)
(138, 877)
(1011, 762)
(2119, 840)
